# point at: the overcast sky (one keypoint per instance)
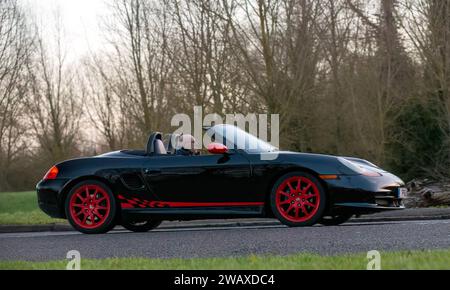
(80, 19)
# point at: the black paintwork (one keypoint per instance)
(161, 181)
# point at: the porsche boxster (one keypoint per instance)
(139, 189)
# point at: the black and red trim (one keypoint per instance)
(130, 203)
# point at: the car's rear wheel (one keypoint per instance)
(91, 207)
(298, 199)
(335, 220)
(142, 226)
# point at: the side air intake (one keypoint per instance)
(132, 181)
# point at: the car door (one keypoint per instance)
(199, 179)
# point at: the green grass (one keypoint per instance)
(412, 260)
(21, 208)
(11, 202)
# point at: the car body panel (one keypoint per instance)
(236, 184)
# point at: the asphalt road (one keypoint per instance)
(226, 241)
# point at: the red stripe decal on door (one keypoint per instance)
(212, 204)
(139, 203)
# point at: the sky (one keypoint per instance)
(80, 19)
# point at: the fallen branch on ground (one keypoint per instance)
(428, 192)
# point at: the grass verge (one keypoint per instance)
(409, 260)
(21, 208)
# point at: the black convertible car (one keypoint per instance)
(140, 189)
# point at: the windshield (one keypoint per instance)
(236, 138)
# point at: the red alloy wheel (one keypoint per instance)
(297, 199)
(90, 206)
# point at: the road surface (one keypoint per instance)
(230, 241)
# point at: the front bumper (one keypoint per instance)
(48, 193)
(362, 194)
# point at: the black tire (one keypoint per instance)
(335, 220)
(108, 220)
(315, 217)
(141, 227)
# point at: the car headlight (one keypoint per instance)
(363, 170)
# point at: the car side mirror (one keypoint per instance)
(217, 148)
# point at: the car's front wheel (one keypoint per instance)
(298, 199)
(91, 207)
(141, 227)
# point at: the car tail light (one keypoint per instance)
(52, 173)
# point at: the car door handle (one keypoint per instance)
(152, 172)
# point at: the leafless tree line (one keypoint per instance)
(368, 78)
(14, 55)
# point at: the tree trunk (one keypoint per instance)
(427, 192)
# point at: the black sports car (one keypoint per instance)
(139, 189)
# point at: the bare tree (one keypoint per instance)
(427, 26)
(278, 45)
(53, 104)
(203, 56)
(393, 72)
(142, 72)
(15, 50)
(103, 106)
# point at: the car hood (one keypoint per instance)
(329, 162)
(365, 164)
